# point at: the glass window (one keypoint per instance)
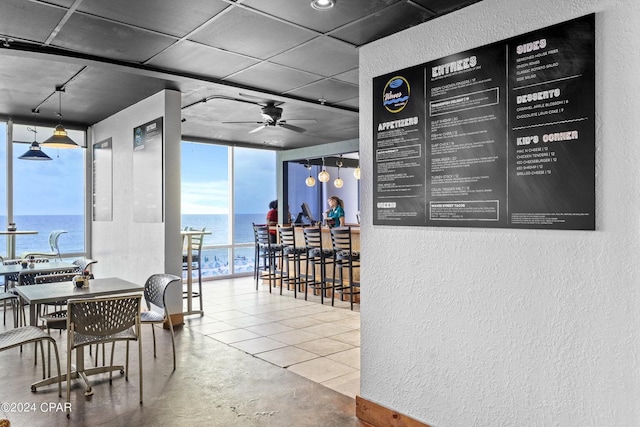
(254, 186)
(3, 186)
(49, 195)
(211, 176)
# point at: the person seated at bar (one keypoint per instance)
(272, 219)
(335, 214)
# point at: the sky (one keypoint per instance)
(205, 185)
(59, 184)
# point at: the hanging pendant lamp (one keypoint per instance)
(310, 181)
(356, 172)
(324, 176)
(59, 139)
(34, 152)
(338, 183)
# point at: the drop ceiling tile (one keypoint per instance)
(195, 58)
(349, 77)
(168, 17)
(332, 90)
(251, 34)
(444, 6)
(301, 12)
(273, 77)
(25, 95)
(378, 25)
(321, 55)
(89, 35)
(42, 19)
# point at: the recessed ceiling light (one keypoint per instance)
(322, 4)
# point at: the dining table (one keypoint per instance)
(189, 235)
(38, 267)
(11, 242)
(36, 295)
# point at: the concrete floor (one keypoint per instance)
(219, 381)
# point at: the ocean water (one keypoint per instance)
(215, 261)
(71, 241)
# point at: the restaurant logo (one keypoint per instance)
(396, 94)
(138, 139)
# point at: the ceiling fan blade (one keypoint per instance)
(300, 121)
(242, 123)
(258, 128)
(291, 127)
(267, 118)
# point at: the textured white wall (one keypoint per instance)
(483, 327)
(123, 248)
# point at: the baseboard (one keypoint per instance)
(379, 416)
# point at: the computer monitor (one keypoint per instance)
(306, 212)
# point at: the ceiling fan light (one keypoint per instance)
(59, 139)
(34, 153)
(356, 172)
(323, 4)
(338, 183)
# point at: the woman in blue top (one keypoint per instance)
(335, 213)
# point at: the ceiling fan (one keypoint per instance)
(272, 116)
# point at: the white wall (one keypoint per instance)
(123, 248)
(483, 327)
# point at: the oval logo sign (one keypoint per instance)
(396, 94)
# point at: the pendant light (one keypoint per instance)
(311, 181)
(59, 139)
(323, 176)
(34, 152)
(338, 183)
(356, 172)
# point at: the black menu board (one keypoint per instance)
(498, 136)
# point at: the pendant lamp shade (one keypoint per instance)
(34, 153)
(356, 172)
(59, 139)
(338, 183)
(323, 176)
(310, 181)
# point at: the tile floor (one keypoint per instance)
(253, 359)
(318, 342)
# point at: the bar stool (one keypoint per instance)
(290, 254)
(344, 258)
(196, 262)
(270, 253)
(317, 255)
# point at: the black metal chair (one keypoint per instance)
(155, 292)
(344, 258)
(269, 253)
(317, 255)
(291, 254)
